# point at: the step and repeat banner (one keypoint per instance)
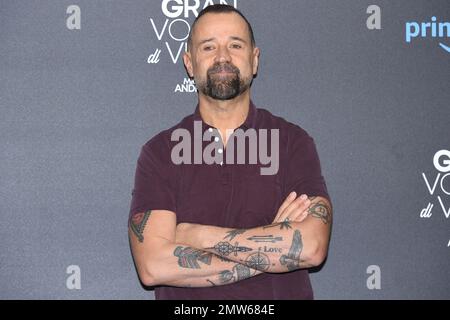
(84, 84)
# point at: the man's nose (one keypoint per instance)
(223, 55)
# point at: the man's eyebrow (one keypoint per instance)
(235, 38)
(238, 39)
(206, 40)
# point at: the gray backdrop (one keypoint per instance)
(76, 105)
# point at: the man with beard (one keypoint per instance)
(224, 230)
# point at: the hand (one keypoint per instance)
(293, 208)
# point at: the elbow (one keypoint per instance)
(147, 278)
(151, 266)
(147, 281)
(318, 258)
(317, 255)
(148, 275)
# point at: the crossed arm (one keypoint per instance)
(160, 260)
(191, 255)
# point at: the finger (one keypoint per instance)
(290, 208)
(304, 208)
(293, 208)
(291, 197)
(300, 216)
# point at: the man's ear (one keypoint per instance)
(187, 58)
(256, 53)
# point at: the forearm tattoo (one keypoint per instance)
(320, 210)
(269, 238)
(286, 224)
(258, 261)
(292, 259)
(224, 248)
(189, 257)
(238, 273)
(137, 224)
(212, 283)
(233, 233)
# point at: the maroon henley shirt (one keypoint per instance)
(231, 196)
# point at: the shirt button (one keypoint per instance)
(220, 151)
(210, 130)
(216, 139)
(221, 163)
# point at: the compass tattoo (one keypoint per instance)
(258, 261)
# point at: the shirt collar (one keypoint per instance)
(249, 123)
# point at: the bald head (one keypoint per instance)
(220, 9)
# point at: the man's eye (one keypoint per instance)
(236, 46)
(208, 48)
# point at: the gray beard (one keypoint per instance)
(224, 89)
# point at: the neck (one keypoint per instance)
(225, 115)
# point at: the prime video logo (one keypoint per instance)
(431, 29)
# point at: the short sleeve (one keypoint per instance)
(154, 187)
(303, 174)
